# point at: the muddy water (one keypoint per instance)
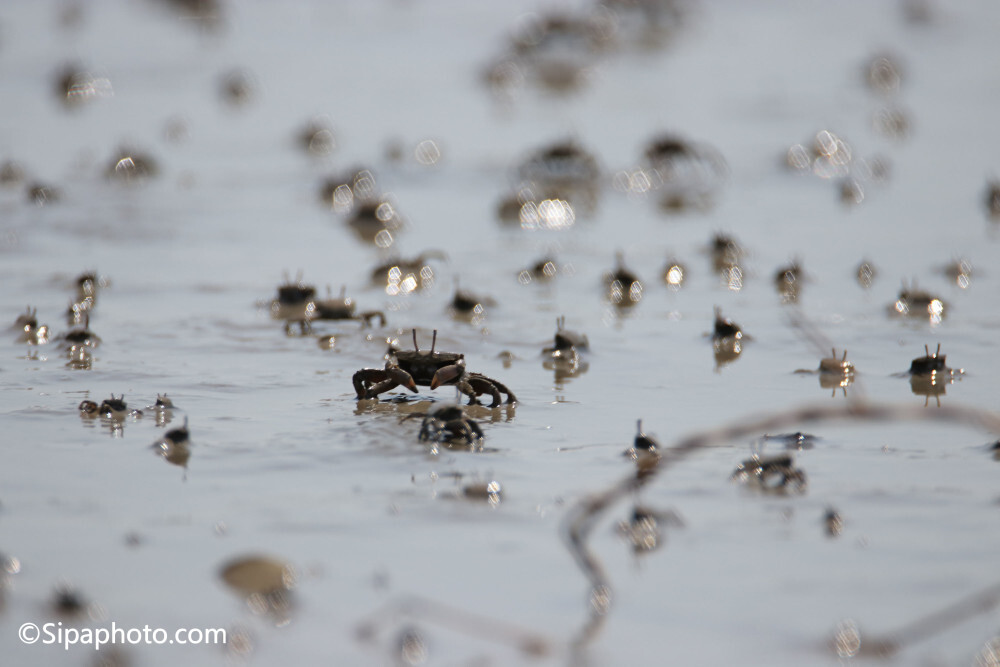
(387, 546)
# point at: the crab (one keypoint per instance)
(31, 332)
(929, 375)
(450, 423)
(644, 528)
(645, 450)
(80, 337)
(173, 446)
(428, 368)
(567, 344)
(402, 275)
(834, 372)
(624, 289)
(564, 355)
(913, 302)
(788, 281)
(342, 308)
(771, 474)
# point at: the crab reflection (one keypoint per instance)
(407, 408)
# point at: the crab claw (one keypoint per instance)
(446, 375)
(402, 378)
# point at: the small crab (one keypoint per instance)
(375, 222)
(428, 368)
(644, 529)
(130, 166)
(342, 308)
(450, 423)
(929, 375)
(80, 336)
(316, 137)
(466, 306)
(931, 364)
(788, 281)
(401, 275)
(113, 408)
(797, 440)
(31, 332)
(624, 289)
(542, 270)
(645, 451)
(564, 356)
(292, 303)
(771, 474)
(913, 302)
(834, 372)
(174, 445)
(567, 344)
(688, 174)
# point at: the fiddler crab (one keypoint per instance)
(788, 281)
(645, 451)
(564, 356)
(834, 372)
(643, 530)
(771, 474)
(929, 374)
(402, 276)
(624, 289)
(450, 423)
(31, 332)
(913, 302)
(173, 446)
(727, 339)
(297, 303)
(428, 368)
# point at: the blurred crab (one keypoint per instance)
(450, 423)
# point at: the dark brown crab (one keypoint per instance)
(428, 368)
(564, 356)
(31, 332)
(343, 308)
(771, 474)
(914, 302)
(929, 375)
(834, 372)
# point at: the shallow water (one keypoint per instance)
(284, 459)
